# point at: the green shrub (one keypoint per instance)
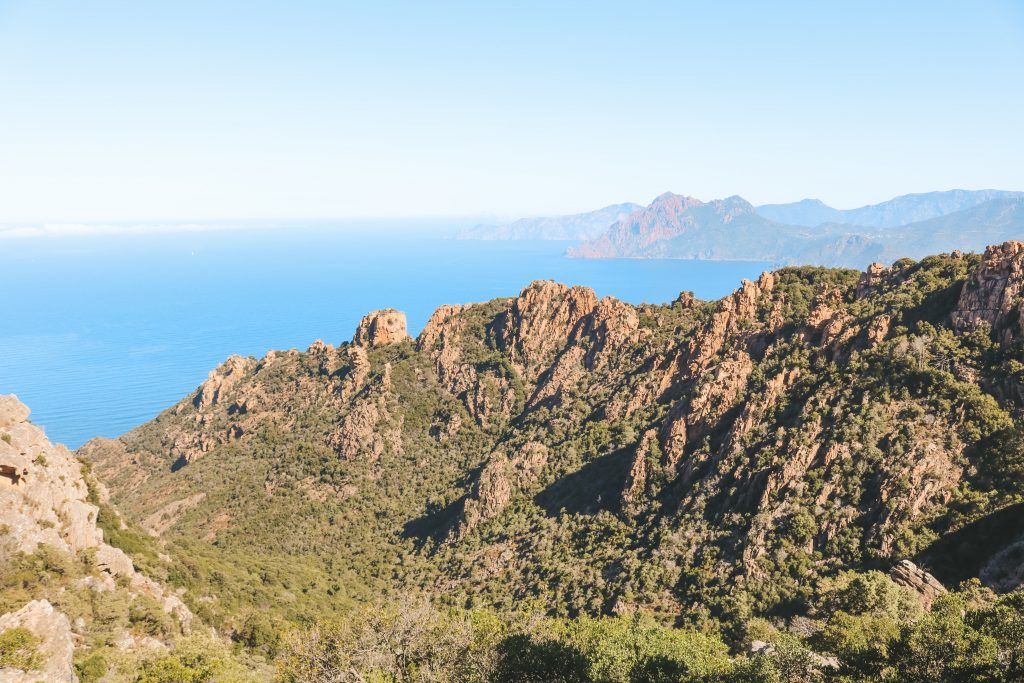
(19, 649)
(91, 668)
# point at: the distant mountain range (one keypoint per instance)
(808, 231)
(899, 211)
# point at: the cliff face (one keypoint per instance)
(692, 456)
(42, 492)
(994, 293)
(381, 328)
(47, 511)
(56, 647)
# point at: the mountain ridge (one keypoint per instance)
(895, 212)
(686, 232)
(448, 458)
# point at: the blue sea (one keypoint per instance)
(100, 333)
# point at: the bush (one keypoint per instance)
(19, 649)
(92, 668)
(521, 659)
(194, 660)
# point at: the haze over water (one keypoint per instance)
(100, 334)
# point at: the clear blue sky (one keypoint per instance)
(175, 110)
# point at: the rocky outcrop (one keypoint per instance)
(640, 470)
(488, 395)
(358, 432)
(804, 422)
(367, 429)
(221, 380)
(737, 312)
(324, 355)
(908, 574)
(593, 347)
(540, 320)
(358, 373)
(381, 328)
(878, 330)
(870, 279)
(500, 480)
(54, 651)
(42, 492)
(47, 505)
(611, 326)
(994, 292)
(441, 326)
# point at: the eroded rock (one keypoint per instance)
(994, 292)
(381, 328)
(500, 480)
(221, 380)
(54, 652)
(908, 574)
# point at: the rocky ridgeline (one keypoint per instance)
(994, 293)
(749, 422)
(43, 502)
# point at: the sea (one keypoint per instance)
(101, 332)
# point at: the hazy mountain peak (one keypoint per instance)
(673, 219)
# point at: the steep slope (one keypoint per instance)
(692, 459)
(578, 226)
(898, 211)
(58, 577)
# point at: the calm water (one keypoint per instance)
(99, 334)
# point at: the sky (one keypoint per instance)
(180, 111)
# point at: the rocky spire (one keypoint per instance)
(380, 328)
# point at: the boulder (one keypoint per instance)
(908, 574)
(54, 651)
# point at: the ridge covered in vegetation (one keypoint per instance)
(580, 489)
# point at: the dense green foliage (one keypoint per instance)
(868, 629)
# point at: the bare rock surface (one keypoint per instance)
(541, 319)
(222, 379)
(500, 480)
(381, 328)
(42, 493)
(44, 501)
(908, 574)
(994, 292)
(54, 651)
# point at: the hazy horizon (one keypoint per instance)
(442, 224)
